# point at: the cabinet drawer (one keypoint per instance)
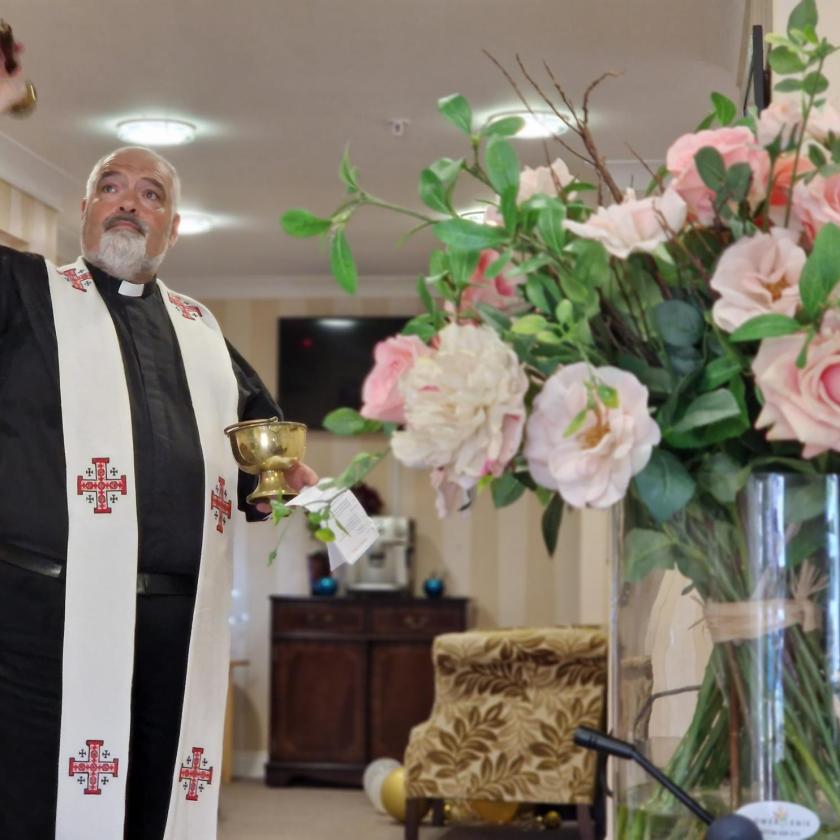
(416, 620)
(318, 617)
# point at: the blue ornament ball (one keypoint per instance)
(325, 586)
(433, 587)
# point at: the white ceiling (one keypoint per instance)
(279, 88)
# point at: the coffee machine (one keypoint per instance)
(386, 567)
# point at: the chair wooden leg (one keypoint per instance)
(586, 827)
(412, 819)
(437, 812)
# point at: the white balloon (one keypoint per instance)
(374, 775)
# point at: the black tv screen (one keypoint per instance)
(323, 362)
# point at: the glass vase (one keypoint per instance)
(726, 655)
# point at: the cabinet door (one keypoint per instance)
(318, 702)
(401, 694)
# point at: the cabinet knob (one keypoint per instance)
(320, 618)
(415, 622)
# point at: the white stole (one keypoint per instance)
(101, 574)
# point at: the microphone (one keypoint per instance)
(730, 827)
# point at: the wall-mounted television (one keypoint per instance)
(323, 362)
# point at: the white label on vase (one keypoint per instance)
(782, 820)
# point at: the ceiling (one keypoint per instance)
(279, 88)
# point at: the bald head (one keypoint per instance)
(160, 160)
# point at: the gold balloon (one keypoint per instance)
(392, 794)
(552, 819)
(494, 812)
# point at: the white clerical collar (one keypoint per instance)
(131, 289)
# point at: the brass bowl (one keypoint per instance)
(268, 448)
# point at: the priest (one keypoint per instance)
(115, 525)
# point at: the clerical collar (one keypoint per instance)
(113, 287)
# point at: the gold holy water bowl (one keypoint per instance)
(268, 448)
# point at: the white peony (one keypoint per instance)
(591, 465)
(464, 411)
(637, 224)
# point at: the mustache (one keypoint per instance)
(111, 221)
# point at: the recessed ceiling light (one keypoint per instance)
(538, 124)
(157, 132)
(336, 323)
(194, 223)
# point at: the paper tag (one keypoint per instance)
(778, 820)
(354, 530)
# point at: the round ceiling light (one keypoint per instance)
(193, 223)
(538, 124)
(157, 132)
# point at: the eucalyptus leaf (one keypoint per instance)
(664, 486)
(506, 489)
(722, 477)
(725, 108)
(646, 550)
(348, 421)
(804, 15)
(710, 167)
(552, 518)
(679, 323)
(785, 61)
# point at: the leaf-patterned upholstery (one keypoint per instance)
(506, 706)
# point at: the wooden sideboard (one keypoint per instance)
(350, 677)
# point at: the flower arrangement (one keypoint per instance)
(657, 351)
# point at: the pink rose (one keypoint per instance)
(736, 145)
(757, 275)
(801, 405)
(533, 181)
(817, 203)
(635, 224)
(782, 116)
(593, 465)
(500, 292)
(381, 395)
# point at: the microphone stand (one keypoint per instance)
(730, 827)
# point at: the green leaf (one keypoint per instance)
(814, 84)
(493, 318)
(664, 485)
(347, 173)
(552, 518)
(433, 193)
(769, 325)
(788, 85)
(279, 511)
(502, 166)
(541, 291)
(646, 550)
(503, 127)
(708, 408)
(348, 421)
(710, 167)
(324, 535)
(529, 325)
(457, 110)
(803, 15)
(342, 264)
(723, 477)
(302, 224)
(466, 235)
(359, 467)
(506, 489)
(821, 271)
(725, 108)
(423, 326)
(495, 267)
(679, 323)
(816, 156)
(550, 224)
(462, 265)
(717, 372)
(447, 169)
(738, 179)
(424, 294)
(785, 61)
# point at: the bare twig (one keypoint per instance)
(655, 176)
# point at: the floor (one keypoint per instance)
(252, 811)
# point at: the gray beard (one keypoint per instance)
(122, 254)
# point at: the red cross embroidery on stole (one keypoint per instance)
(93, 763)
(194, 773)
(77, 279)
(188, 310)
(102, 485)
(220, 505)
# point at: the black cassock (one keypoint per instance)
(33, 541)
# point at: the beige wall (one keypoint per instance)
(496, 558)
(26, 223)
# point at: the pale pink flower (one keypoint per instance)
(783, 116)
(817, 202)
(757, 275)
(500, 292)
(464, 410)
(535, 181)
(736, 145)
(635, 224)
(593, 465)
(823, 122)
(800, 404)
(393, 357)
